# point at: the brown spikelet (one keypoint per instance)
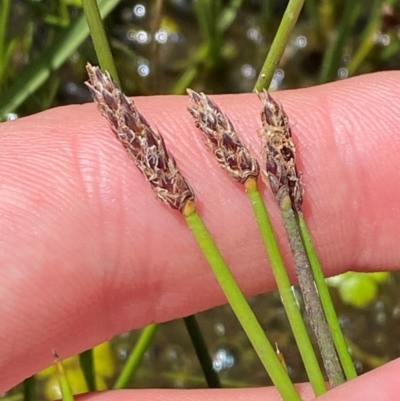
(280, 152)
(222, 138)
(144, 145)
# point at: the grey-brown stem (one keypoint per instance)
(312, 302)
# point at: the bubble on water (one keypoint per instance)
(279, 74)
(300, 41)
(175, 37)
(11, 116)
(277, 79)
(343, 73)
(223, 359)
(346, 59)
(383, 40)
(254, 34)
(74, 57)
(142, 37)
(131, 35)
(162, 36)
(139, 10)
(71, 88)
(248, 71)
(143, 70)
(219, 329)
(122, 352)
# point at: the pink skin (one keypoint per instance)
(87, 252)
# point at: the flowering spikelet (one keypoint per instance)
(144, 145)
(222, 138)
(280, 152)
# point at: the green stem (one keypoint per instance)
(30, 388)
(286, 26)
(65, 387)
(241, 308)
(202, 353)
(337, 334)
(311, 298)
(285, 290)
(141, 346)
(50, 60)
(99, 37)
(367, 38)
(5, 8)
(87, 365)
(333, 55)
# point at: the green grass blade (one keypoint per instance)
(202, 352)
(86, 362)
(286, 26)
(5, 7)
(136, 356)
(65, 387)
(241, 308)
(329, 310)
(99, 37)
(29, 388)
(285, 291)
(228, 15)
(368, 41)
(50, 60)
(333, 55)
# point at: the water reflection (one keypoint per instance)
(248, 71)
(162, 36)
(11, 116)
(343, 73)
(254, 35)
(139, 10)
(219, 329)
(301, 42)
(223, 359)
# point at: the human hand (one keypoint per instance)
(82, 235)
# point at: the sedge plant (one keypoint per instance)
(231, 154)
(106, 61)
(148, 152)
(284, 180)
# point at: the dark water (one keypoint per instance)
(171, 361)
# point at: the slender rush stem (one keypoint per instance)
(86, 361)
(99, 37)
(65, 387)
(312, 302)
(239, 305)
(333, 54)
(330, 313)
(134, 359)
(286, 26)
(5, 8)
(29, 388)
(285, 290)
(202, 353)
(368, 41)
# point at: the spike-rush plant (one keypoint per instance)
(148, 151)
